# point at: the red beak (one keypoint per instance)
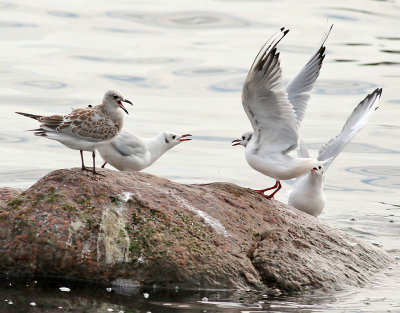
(236, 142)
(185, 139)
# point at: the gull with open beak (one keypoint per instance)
(85, 129)
(276, 113)
(128, 152)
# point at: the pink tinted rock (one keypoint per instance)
(148, 230)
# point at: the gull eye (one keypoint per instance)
(243, 138)
(115, 96)
(319, 167)
(173, 137)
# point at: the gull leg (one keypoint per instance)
(261, 191)
(94, 164)
(83, 163)
(104, 165)
(276, 190)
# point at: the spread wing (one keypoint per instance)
(357, 119)
(299, 87)
(265, 101)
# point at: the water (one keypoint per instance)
(183, 64)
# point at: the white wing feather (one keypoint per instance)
(299, 87)
(265, 101)
(358, 118)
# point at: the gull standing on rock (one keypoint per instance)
(307, 194)
(85, 129)
(128, 152)
(276, 113)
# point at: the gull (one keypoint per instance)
(85, 129)
(307, 194)
(276, 113)
(128, 152)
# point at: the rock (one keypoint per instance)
(135, 227)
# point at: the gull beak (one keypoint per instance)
(182, 138)
(314, 169)
(127, 101)
(236, 142)
(122, 107)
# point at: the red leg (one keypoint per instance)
(276, 190)
(261, 191)
(104, 165)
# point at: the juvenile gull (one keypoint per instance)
(276, 113)
(128, 152)
(85, 129)
(307, 194)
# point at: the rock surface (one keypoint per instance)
(141, 230)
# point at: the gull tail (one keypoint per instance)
(34, 116)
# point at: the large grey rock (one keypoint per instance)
(142, 230)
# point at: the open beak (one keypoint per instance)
(182, 138)
(122, 107)
(314, 169)
(236, 142)
(127, 101)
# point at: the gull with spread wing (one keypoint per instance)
(276, 113)
(307, 194)
(128, 152)
(85, 129)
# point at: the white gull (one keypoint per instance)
(276, 113)
(128, 152)
(307, 194)
(85, 129)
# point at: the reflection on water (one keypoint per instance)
(184, 64)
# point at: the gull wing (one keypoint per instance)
(129, 145)
(357, 119)
(299, 87)
(265, 101)
(302, 151)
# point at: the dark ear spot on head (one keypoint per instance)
(166, 140)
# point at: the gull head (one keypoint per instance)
(172, 139)
(318, 171)
(244, 140)
(113, 100)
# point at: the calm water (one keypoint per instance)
(183, 63)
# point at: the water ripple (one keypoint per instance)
(382, 176)
(126, 60)
(10, 24)
(183, 20)
(230, 85)
(138, 81)
(7, 138)
(343, 87)
(63, 14)
(45, 84)
(385, 63)
(209, 71)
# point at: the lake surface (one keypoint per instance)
(183, 63)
